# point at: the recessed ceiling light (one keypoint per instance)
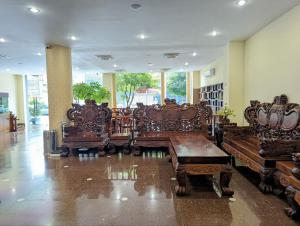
(73, 38)
(115, 65)
(150, 64)
(142, 36)
(214, 33)
(194, 54)
(39, 54)
(34, 10)
(241, 2)
(136, 6)
(186, 64)
(2, 40)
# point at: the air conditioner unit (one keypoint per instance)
(210, 72)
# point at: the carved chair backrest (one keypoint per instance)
(172, 117)
(90, 117)
(279, 120)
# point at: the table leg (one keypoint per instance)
(181, 179)
(225, 177)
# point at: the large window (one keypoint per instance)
(37, 99)
(176, 86)
(133, 88)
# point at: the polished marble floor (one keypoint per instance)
(116, 190)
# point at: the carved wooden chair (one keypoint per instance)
(90, 125)
(273, 135)
(155, 124)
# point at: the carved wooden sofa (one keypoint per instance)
(89, 127)
(287, 181)
(273, 135)
(155, 124)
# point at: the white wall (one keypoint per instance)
(13, 85)
(272, 60)
(262, 67)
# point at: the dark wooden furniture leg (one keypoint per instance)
(111, 148)
(225, 177)
(294, 210)
(101, 151)
(181, 179)
(137, 150)
(266, 180)
(126, 149)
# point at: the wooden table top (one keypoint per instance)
(198, 149)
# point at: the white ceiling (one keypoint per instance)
(111, 27)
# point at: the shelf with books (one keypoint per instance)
(213, 94)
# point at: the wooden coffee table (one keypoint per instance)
(196, 155)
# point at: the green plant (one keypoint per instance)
(128, 83)
(90, 91)
(226, 112)
(176, 84)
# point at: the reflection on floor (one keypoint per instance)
(116, 190)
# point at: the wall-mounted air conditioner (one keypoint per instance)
(210, 72)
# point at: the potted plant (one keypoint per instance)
(224, 114)
(90, 91)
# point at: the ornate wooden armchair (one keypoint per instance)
(155, 124)
(277, 125)
(273, 135)
(90, 124)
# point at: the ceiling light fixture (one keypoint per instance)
(142, 36)
(39, 54)
(2, 40)
(115, 65)
(194, 54)
(241, 3)
(186, 64)
(214, 33)
(34, 10)
(150, 64)
(73, 38)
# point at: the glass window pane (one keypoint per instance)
(147, 90)
(176, 86)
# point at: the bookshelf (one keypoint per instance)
(213, 94)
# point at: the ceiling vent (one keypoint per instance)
(120, 70)
(171, 55)
(104, 57)
(3, 57)
(165, 69)
(135, 6)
